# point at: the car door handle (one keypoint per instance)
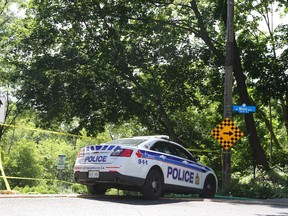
(186, 162)
(162, 157)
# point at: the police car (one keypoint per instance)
(153, 165)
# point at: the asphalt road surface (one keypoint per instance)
(133, 206)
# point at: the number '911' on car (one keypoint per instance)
(153, 165)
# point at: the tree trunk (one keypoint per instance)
(284, 104)
(259, 154)
(270, 128)
(169, 128)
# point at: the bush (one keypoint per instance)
(267, 185)
(23, 161)
(54, 188)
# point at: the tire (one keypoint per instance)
(209, 189)
(96, 189)
(154, 184)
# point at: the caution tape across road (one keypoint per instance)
(47, 131)
(38, 179)
(204, 150)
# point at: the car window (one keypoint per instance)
(163, 147)
(181, 152)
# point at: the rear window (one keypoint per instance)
(127, 142)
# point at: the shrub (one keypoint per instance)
(270, 184)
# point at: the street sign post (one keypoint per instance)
(2, 109)
(61, 162)
(2, 120)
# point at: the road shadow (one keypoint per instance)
(137, 200)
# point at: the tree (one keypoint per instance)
(7, 18)
(108, 61)
(262, 63)
(136, 67)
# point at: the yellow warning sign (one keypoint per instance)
(227, 133)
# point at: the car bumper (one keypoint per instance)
(112, 178)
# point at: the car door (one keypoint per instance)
(187, 170)
(178, 165)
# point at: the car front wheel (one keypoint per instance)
(153, 186)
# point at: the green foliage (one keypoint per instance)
(272, 184)
(280, 160)
(53, 188)
(24, 161)
(39, 189)
(212, 160)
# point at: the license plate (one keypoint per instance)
(93, 174)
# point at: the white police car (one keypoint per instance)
(150, 164)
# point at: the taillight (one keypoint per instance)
(138, 154)
(122, 153)
(81, 153)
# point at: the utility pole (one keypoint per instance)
(226, 154)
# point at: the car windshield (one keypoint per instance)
(127, 142)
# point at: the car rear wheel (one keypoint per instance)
(96, 189)
(209, 188)
(153, 186)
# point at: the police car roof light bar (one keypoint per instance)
(153, 136)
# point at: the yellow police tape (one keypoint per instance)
(47, 131)
(37, 179)
(204, 150)
(3, 174)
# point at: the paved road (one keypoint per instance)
(132, 206)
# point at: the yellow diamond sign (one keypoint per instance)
(227, 133)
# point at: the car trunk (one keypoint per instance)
(98, 154)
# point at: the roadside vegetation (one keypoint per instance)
(76, 73)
